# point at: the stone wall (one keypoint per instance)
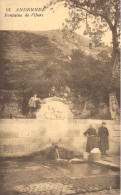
(20, 137)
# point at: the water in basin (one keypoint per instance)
(88, 169)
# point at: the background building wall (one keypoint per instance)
(20, 137)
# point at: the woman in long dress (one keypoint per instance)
(103, 138)
(91, 138)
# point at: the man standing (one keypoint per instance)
(33, 105)
(103, 138)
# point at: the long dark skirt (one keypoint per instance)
(103, 144)
(92, 142)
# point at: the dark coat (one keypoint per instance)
(91, 140)
(103, 138)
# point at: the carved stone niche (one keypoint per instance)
(54, 108)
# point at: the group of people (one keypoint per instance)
(97, 140)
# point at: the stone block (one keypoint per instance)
(78, 146)
(22, 141)
(5, 141)
(5, 121)
(78, 121)
(63, 127)
(117, 127)
(114, 139)
(10, 134)
(114, 151)
(62, 133)
(42, 139)
(93, 121)
(70, 126)
(83, 139)
(25, 127)
(5, 127)
(81, 133)
(25, 134)
(51, 133)
(114, 133)
(8, 154)
(6, 149)
(66, 140)
(111, 127)
(19, 154)
(33, 148)
(51, 127)
(41, 126)
(1, 149)
(83, 127)
(1, 134)
(79, 139)
(15, 141)
(23, 121)
(72, 133)
(114, 145)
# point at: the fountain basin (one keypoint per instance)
(92, 176)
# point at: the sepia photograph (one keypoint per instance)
(60, 97)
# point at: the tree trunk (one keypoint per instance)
(115, 60)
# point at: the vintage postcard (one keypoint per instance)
(59, 97)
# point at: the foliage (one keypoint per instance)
(37, 70)
(98, 15)
(91, 77)
(104, 14)
(86, 76)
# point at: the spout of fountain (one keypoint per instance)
(57, 152)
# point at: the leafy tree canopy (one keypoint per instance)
(100, 15)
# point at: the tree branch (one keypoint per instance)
(99, 14)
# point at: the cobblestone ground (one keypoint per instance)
(20, 177)
(58, 189)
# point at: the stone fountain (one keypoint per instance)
(55, 113)
(54, 108)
